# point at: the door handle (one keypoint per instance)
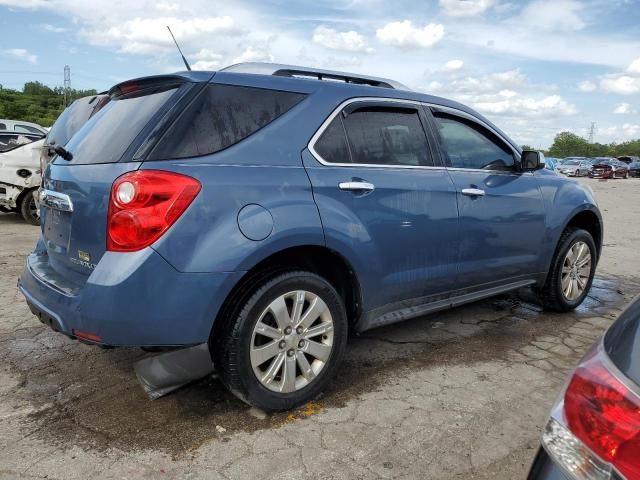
(357, 186)
(473, 192)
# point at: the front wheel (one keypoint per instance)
(572, 271)
(284, 342)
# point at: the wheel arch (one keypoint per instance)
(20, 198)
(321, 260)
(591, 222)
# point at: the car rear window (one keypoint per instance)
(108, 134)
(221, 116)
(70, 121)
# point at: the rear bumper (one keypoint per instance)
(131, 299)
(543, 468)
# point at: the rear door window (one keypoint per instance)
(387, 136)
(221, 116)
(108, 134)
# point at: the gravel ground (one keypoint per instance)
(459, 394)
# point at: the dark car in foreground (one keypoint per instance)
(634, 169)
(608, 168)
(594, 429)
(268, 210)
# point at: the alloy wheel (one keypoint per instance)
(291, 341)
(576, 270)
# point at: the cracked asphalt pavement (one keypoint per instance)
(458, 394)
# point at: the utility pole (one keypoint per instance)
(67, 85)
(592, 131)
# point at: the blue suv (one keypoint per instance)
(270, 210)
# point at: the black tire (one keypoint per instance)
(551, 295)
(29, 208)
(230, 345)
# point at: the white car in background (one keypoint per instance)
(20, 178)
(17, 132)
(575, 167)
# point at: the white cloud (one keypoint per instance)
(465, 8)
(516, 105)
(631, 130)
(501, 94)
(453, 65)
(167, 7)
(587, 86)
(624, 109)
(254, 54)
(559, 15)
(490, 83)
(20, 54)
(350, 41)
(148, 35)
(404, 34)
(621, 84)
(206, 60)
(634, 67)
(47, 27)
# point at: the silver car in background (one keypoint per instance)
(575, 167)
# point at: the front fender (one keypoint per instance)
(564, 200)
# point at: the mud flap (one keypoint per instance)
(168, 371)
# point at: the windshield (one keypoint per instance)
(108, 134)
(572, 162)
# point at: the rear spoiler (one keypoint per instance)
(141, 84)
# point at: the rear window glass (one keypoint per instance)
(108, 134)
(70, 121)
(221, 116)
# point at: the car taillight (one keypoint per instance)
(144, 204)
(594, 429)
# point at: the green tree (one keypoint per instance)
(36, 102)
(567, 144)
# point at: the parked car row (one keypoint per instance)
(598, 167)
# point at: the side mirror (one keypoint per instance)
(532, 160)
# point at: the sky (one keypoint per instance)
(533, 67)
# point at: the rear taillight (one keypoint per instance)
(594, 429)
(144, 204)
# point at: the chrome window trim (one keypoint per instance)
(336, 112)
(316, 136)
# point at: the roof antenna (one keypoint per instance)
(186, 64)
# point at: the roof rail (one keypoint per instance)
(315, 73)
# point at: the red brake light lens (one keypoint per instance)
(144, 204)
(605, 415)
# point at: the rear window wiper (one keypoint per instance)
(63, 153)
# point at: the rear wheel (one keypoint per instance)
(284, 342)
(29, 208)
(572, 271)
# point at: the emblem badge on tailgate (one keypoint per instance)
(84, 260)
